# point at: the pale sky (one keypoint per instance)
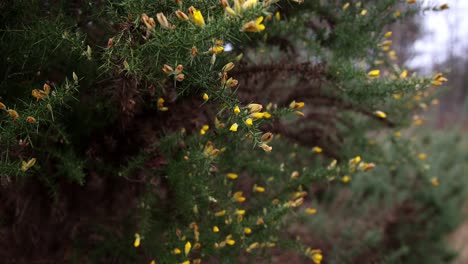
(443, 31)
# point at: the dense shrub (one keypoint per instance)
(223, 131)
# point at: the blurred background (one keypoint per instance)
(438, 42)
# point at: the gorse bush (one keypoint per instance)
(205, 131)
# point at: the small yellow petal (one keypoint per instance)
(205, 97)
(435, 181)
(236, 110)
(380, 114)
(187, 248)
(345, 179)
(137, 241)
(374, 73)
(215, 229)
(317, 149)
(232, 176)
(311, 211)
(234, 127)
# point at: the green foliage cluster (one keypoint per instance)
(205, 131)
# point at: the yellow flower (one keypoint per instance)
(247, 231)
(254, 108)
(364, 12)
(176, 251)
(187, 248)
(266, 147)
(13, 114)
(2, 106)
(317, 257)
(153, 261)
(411, 1)
(160, 104)
(397, 13)
(27, 165)
(299, 113)
(229, 66)
(220, 213)
(311, 211)
(374, 73)
(205, 97)
(296, 105)
(216, 49)
(234, 127)
(186, 262)
(240, 212)
(278, 15)
(259, 189)
(435, 181)
(345, 6)
(388, 34)
(397, 134)
(236, 110)
(380, 114)
(232, 176)
(422, 156)
(249, 122)
(137, 241)
(196, 16)
(254, 26)
(38, 94)
(258, 115)
(237, 196)
(317, 149)
(230, 242)
(253, 246)
(249, 4)
(345, 179)
(215, 229)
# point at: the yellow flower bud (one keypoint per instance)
(187, 248)
(232, 176)
(27, 165)
(267, 137)
(229, 66)
(317, 149)
(234, 127)
(13, 114)
(167, 69)
(137, 241)
(236, 110)
(182, 16)
(374, 73)
(380, 114)
(254, 108)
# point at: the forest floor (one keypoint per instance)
(459, 239)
